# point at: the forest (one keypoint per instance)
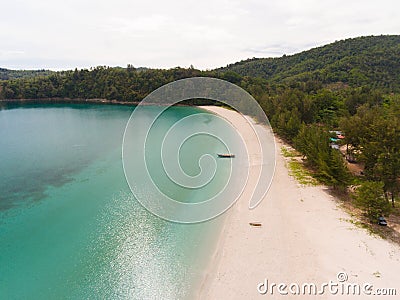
(351, 86)
(6, 74)
(372, 61)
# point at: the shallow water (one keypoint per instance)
(69, 224)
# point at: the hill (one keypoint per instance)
(122, 84)
(372, 61)
(6, 74)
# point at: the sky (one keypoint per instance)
(59, 35)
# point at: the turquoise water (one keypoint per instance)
(70, 227)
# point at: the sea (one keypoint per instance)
(70, 227)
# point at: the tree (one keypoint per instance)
(335, 170)
(388, 169)
(313, 142)
(369, 197)
(375, 134)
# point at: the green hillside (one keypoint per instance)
(372, 60)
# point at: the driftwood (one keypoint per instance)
(255, 224)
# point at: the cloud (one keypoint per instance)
(6, 54)
(68, 34)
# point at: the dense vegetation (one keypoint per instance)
(372, 61)
(374, 134)
(6, 74)
(351, 85)
(369, 197)
(123, 84)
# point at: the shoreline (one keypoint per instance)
(68, 101)
(84, 101)
(242, 124)
(305, 237)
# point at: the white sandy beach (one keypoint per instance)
(305, 238)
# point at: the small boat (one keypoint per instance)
(255, 224)
(226, 155)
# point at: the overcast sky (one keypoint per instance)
(54, 34)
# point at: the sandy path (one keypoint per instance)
(304, 238)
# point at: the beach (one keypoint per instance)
(305, 237)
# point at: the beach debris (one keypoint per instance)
(226, 155)
(377, 274)
(255, 224)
